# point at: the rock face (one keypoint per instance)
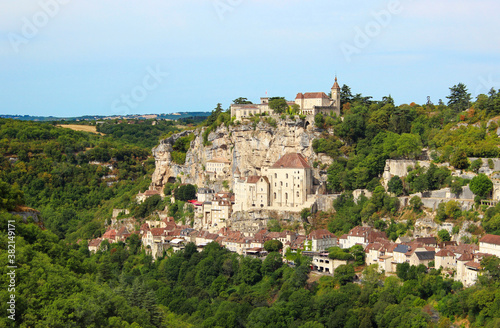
(247, 148)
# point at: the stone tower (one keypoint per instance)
(336, 94)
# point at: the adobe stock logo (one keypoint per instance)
(364, 36)
(224, 6)
(32, 26)
(140, 92)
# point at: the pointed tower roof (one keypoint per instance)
(237, 172)
(335, 85)
(292, 160)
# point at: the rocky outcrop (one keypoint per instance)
(247, 148)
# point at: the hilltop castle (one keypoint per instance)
(310, 103)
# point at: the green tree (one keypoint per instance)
(278, 105)
(10, 196)
(416, 203)
(345, 95)
(185, 192)
(273, 262)
(409, 145)
(344, 274)
(444, 235)
(459, 98)
(395, 185)
(476, 165)
(241, 101)
(481, 185)
(459, 160)
(273, 245)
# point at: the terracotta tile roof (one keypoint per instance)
(490, 239)
(276, 235)
(427, 240)
(256, 178)
(158, 231)
(151, 192)
(176, 232)
(445, 244)
(246, 106)
(391, 247)
(315, 95)
(473, 264)
(373, 246)
(463, 248)
(321, 234)
(122, 231)
(445, 252)
(292, 160)
(95, 242)
(374, 235)
(300, 95)
(110, 234)
(466, 257)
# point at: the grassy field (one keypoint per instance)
(85, 128)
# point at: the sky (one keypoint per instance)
(69, 58)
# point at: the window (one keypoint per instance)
(274, 195)
(287, 175)
(282, 183)
(297, 194)
(276, 175)
(286, 195)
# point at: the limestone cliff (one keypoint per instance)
(247, 148)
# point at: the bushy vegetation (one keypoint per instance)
(140, 133)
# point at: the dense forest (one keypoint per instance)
(74, 179)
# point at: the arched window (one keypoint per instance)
(297, 194)
(274, 195)
(287, 175)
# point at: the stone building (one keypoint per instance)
(490, 244)
(286, 184)
(310, 103)
(218, 167)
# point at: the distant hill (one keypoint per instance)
(168, 116)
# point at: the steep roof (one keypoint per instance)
(315, 95)
(321, 234)
(473, 264)
(466, 257)
(401, 248)
(423, 256)
(256, 178)
(335, 85)
(490, 239)
(427, 240)
(445, 252)
(95, 242)
(292, 160)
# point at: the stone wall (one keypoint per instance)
(247, 148)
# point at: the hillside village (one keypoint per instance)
(241, 183)
(213, 224)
